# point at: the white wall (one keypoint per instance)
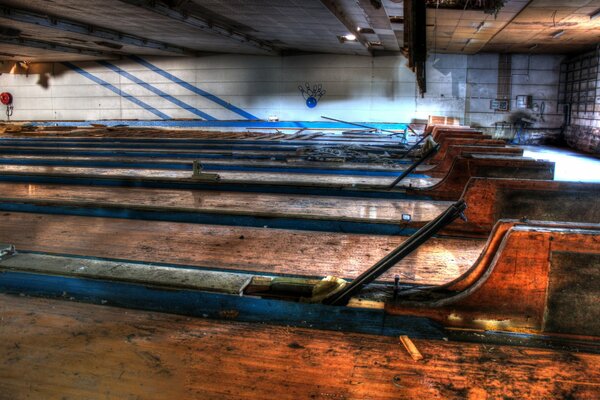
(358, 88)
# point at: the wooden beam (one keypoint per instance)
(202, 23)
(68, 25)
(55, 47)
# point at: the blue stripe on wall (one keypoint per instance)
(312, 125)
(157, 91)
(116, 90)
(192, 88)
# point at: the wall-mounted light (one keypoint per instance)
(558, 34)
(595, 14)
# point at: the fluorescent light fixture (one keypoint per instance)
(558, 34)
(595, 15)
(479, 27)
(347, 38)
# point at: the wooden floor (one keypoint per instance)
(226, 176)
(290, 162)
(54, 349)
(236, 248)
(343, 208)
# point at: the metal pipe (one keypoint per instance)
(421, 236)
(414, 146)
(414, 165)
(359, 125)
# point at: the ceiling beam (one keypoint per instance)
(499, 31)
(38, 44)
(202, 23)
(66, 25)
(352, 28)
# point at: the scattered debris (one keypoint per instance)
(411, 348)
(347, 153)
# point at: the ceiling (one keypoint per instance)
(70, 30)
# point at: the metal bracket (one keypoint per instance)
(198, 174)
(414, 165)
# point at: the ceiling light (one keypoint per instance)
(366, 31)
(558, 34)
(595, 15)
(350, 37)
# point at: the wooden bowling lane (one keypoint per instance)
(226, 176)
(281, 205)
(55, 349)
(236, 248)
(289, 162)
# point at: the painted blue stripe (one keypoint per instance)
(224, 187)
(192, 88)
(144, 154)
(116, 90)
(312, 125)
(157, 91)
(211, 305)
(207, 218)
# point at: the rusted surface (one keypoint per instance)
(507, 289)
(573, 294)
(485, 166)
(60, 350)
(273, 251)
(544, 200)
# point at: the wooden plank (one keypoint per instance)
(55, 349)
(312, 207)
(312, 254)
(226, 176)
(143, 274)
(296, 162)
(117, 150)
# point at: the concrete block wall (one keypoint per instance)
(371, 89)
(583, 132)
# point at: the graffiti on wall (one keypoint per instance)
(313, 94)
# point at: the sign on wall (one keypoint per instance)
(312, 95)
